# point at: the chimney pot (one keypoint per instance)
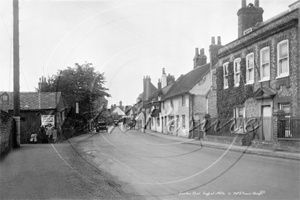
(212, 40)
(244, 3)
(202, 51)
(219, 40)
(256, 3)
(196, 51)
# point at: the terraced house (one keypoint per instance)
(259, 74)
(186, 100)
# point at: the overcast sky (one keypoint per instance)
(125, 40)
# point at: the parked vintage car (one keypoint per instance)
(101, 126)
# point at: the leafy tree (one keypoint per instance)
(80, 84)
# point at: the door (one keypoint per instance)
(266, 123)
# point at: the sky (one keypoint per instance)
(125, 40)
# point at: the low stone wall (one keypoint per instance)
(6, 132)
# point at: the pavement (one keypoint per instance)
(231, 147)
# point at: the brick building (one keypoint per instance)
(33, 107)
(259, 74)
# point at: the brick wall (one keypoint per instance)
(287, 88)
(6, 130)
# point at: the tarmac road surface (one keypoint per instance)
(158, 168)
(54, 171)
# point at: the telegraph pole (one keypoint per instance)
(16, 64)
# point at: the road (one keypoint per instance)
(54, 171)
(135, 165)
(164, 169)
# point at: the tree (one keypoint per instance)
(80, 84)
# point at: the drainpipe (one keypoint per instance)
(191, 111)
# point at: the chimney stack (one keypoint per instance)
(249, 16)
(213, 40)
(159, 84)
(213, 50)
(244, 3)
(196, 52)
(202, 58)
(163, 78)
(199, 59)
(40, 84)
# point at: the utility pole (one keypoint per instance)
(16, 63)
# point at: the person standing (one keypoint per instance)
(49, 132)
(54, 134)
(33, 137)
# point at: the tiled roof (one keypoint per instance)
(35, 100)
(186, 82)
(166, 89)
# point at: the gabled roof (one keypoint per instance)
(186, 82)
(264, 93)
(35, 100)
(118, 110)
